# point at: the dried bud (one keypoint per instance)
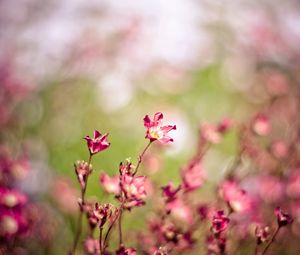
(262, 234)
(283, 218)
(82, 170)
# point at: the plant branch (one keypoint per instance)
(271, 241)
(141, 157)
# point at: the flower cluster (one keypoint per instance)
(128, 188)
(180, 213)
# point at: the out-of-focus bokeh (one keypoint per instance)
(68, 67)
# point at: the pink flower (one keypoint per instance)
(237, 198)
(210, 133)
(219, 222)
(133, 189)
(110, 184)
(169, 192)
(215, 246)
(123, 251)
(9, 225)
(91, 246)
(180, 210)
(98, 143)
(193, 176)
(277, 84)
(261, 125)
(155, 130)
(102, 213)
(283, 218)
(279, 149)
(12, 223)
(65, 195)
(160, 251)
(205, 211)
(271, 188)
(213, 133)
(11, 198)
(293, 187)
(262, 234)
(225, 125)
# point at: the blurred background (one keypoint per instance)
(69, 67)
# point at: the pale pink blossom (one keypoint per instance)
(193, 176)
(261, 125)
(110, 184)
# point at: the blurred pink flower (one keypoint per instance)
(279, 149)
(98, 143)
(193, 176)
(213, 133)
(110, 184)
(271, 188)
(133, 189)
(123, 251)
(283, 218)
(180, 210)
(237, 198)
(219, 222)
(261, 125)
(12, 223)
(12, 198)
(155, 130)
(215, 246)
(65, 194)
(262, 234)
(293, 184)
(91, 246)
(210, 133)
(169, 192)
(277, 84)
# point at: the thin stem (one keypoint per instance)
(100, 240)
(110, 228)
(271, 241)
(256, 249)
(80, 217)
(141, 157)
(120, 227)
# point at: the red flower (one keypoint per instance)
(219, 222)
(155, 130)
(98, 143)
(169, 192)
